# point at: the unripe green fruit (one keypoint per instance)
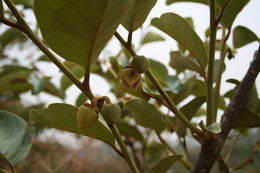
(140, 64)
(86, 117)
(111, 113)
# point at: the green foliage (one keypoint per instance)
(15, 138)
(234, 7)
(248, 119)
(187, 37)
(15, 79)
(130, 131)
(180, 62)
(189, 110)
(10, 36)
(151, 37)
(79, 31)
(145, 114)
(64, 117)
(165, 164)
(243, 36)
(137, 13)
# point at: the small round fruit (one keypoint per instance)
(86, 117)
(111, 113)
(140, 64)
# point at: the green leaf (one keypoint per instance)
(137, 13)
(64, 117)
(130, 131)
(77, 70)
(10, 36)
(7, 69)
(242, 36)
(174, 83)
(231, 12)
(170, 23)
(213, 128)
(15, 81)
(151, 37)
(180, 62)
(154, 152)
(44, 58)
(248, 119)
(165, 164)
(189, 110)
(160, 72)
(25, 3)
(79, 31)
(145, 114)
(50, 88)
(191, 87)
(15, 138)
(168, 2)
(82, 98)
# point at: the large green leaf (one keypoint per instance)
(79, 31)
(145, 114)
(168, 2)
(170, 23)
(64, 117)
(243, 36)
(231, 12)
(165, 164)
(137, 13)
(15, 138)
(179, 62)
(152, 37)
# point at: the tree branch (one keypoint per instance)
(210, 149)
